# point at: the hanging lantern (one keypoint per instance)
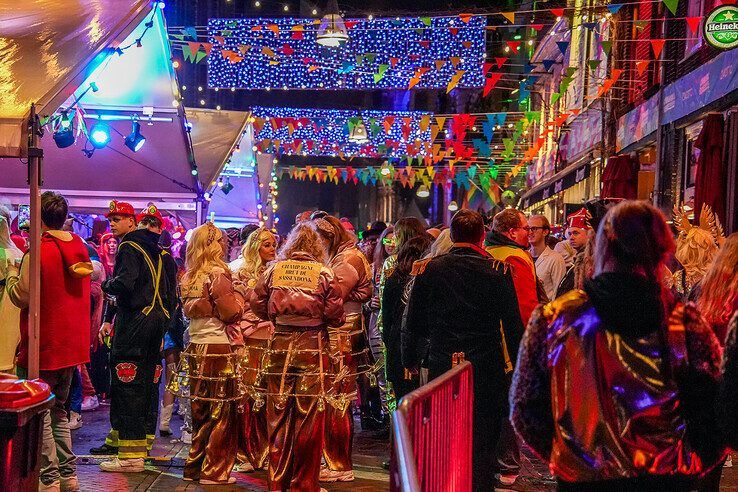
(358, 133)
(332, 31)
(423, 192)
(453, 206)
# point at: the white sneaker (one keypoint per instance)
(69, 484)
(728, 462)
(90, 403)
(328, 475)
(52, 487)
(186, 437)
(134, 465)
(75, 420)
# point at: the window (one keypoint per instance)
(695, 8)
(691, 154)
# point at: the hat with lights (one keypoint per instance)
(120, 208)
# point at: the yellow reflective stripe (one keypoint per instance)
(505, 353)
(112, 438)
(132, 448)
(155, 276)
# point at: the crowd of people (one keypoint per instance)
(612, 354)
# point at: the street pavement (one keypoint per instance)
(164, 468)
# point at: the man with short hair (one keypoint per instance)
(464, 302)
(507, 241)
(142, 286)
(577, 235)
(64, 332)
(550, 265)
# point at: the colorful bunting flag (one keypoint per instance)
(614, 7)
(455, 79)
(558, 12)
(694, 24)
(547, 64)
(380, 73)
(490, 82)
(672, 5)
(514, 45)
(563, 46)
(657, 45)
(641, 66)
(606, 46)
(499, 60)
(510, 16)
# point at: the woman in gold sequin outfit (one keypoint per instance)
(211, 303)
(302, 298)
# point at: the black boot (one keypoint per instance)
(368, 423)
(105, 449)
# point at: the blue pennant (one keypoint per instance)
(547, 64)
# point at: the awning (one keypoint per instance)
(557, 183)
(137, 83)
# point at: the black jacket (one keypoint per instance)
(458, 302)
(132, 283)
(393, 305)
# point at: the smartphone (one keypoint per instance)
(24, 217)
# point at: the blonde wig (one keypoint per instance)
(720, 284)
(253, 265)
(303, 238)
(695, 250)
(204, 253)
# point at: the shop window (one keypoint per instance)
(689, 168)
(646, 172)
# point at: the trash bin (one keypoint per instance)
(22, 403)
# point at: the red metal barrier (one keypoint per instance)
(432, 433)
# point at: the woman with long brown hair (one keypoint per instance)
(257, 252)
(349, 350)
(211, 303)
(639, 370)
(302, 298)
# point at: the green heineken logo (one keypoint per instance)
(721, 27)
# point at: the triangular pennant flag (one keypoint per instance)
(500, 60)
(287, 49)
(547, 64)
(425, 43)
(615, 74)
(199, 56)
(388, 122)
(694, 24)
(641, 66)
(370, 56)
(207, 47)
(536, 27)
(393, 61)
(455, 60)
(593, 64)
(189, 50)
(453, 30)
(455, 79)
(510, 16)
(190, 32)
(555, 97)
(509, 145)
(589, 25)
(490, 82)
(439, 64)
(657, 45)
(672, 5)
(528, 68)
(558, 12)
(178, 36)
(465, 18)
(614, 7)
(380, 73)
(424, 123)
(514, 45)
(426, 21)
(563, 46)
(244, 48)
(274, 28)
(606, 46)
(298, 32)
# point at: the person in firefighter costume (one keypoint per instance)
(349, 346)
(302, 298)
(144, 288)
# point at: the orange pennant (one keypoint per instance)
(465, 18)
(510, 16)
(641, 66)
(274, 28)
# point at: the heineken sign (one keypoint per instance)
(721, 27)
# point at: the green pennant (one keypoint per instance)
(420, 31)
(187, 53)
(672, 5)
(380, 73)
(555, 97)
(571, 71)
(426, 21)
(370, 57)
(178, 36)
(493, 173)
(226, 33)
(509, 145)
(472, 171)
(232, 24)
(199, 56)
(352, 122)
(359, 60)
(593, 64)
(606, 46)
(532, 116)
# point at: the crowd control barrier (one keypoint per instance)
(432, 433)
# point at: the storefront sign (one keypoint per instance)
(721, 27)
(585, 134)
(569, 178)
(637, 124)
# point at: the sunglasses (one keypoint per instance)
(388, 241)
(318, 214)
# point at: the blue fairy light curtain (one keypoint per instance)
(401, 53)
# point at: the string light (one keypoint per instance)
(393, 44)
(257, 4)
(286, 8)
(328, 131)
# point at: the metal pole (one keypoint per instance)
(35, 158)
(657, 191)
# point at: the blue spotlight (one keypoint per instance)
(135, 140)
(100, 135)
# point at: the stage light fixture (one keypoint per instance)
(100, 135)
(423, 192)
(135, 140)
(332, 31)
(227, 187)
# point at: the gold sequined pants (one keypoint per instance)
(295, 423)
(253, 445)
(214, 424)
(339, 425)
